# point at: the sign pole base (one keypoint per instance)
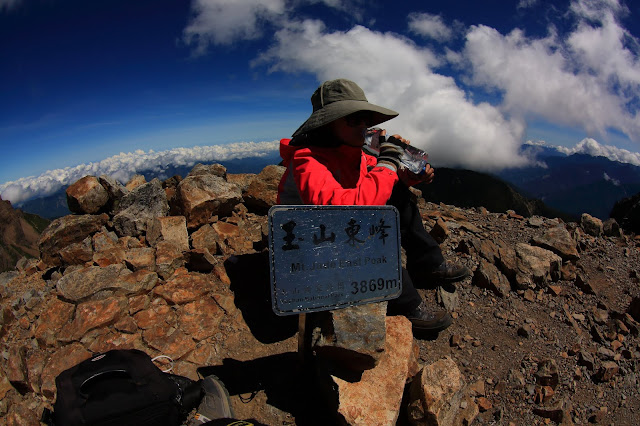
(304, 339)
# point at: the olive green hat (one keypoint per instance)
(335, 99)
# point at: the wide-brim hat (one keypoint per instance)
(335, 99)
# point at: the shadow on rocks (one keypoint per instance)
(250, 282)
(290, 389)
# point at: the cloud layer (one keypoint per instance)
(587, 77)
(124, 165)
(591, 147)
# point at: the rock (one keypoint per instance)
(6, 318)
(242, 180)
(94, 314)
(437, 396)
(142, 204)
(488, 276)
(558, 413)
(200, 260)
(202, 196)
(115, 191)
(135, 181)
(77, 253)
(141, 258)
(86, 196)
(233, 239)
(200, 319)
(19, 415)
(547, 374)
(586, 359)
(96, 282)
(16, 368)
(558, 240)
(584, 284)
(55, 316)
(169, 258)
(353, 338)
(591, 225)
(535, 266)
(263, 190)
(169, 341)
(209, 169)
(169, 228)
(607, 371)
(184, 287)
(65, 231)
(440, 232)
(205, 238)
(610, 228)
(63, 359)
(376, 398)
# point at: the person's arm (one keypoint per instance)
(318, 186)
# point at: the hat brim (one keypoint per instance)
(340, 109)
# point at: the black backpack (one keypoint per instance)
(122, 387)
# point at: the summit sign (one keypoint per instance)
(329, 257)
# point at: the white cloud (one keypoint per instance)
(606, 177)
(124, 165)
(590, 78)
(220, 22)
(592, 147)
(431, 26)
(434, 113)
(525, 4)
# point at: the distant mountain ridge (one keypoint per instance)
(55, 205)
(577, 183)
(466, 188)
(566, 188)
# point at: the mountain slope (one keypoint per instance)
(19, 233)
(466, 188)
(577, 183)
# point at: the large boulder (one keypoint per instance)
(376, 398)
(438, 396)
(351, 337)
(559, 241)
(142, 204)
(87, 196)
(65, 231)
(262, 192)
(200, 197)
(536, 266)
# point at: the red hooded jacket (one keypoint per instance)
(333, 176)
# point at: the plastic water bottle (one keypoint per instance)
(412, 158)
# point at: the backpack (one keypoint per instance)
(122, 387)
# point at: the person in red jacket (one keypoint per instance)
(327, 166)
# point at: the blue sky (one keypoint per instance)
(83, 81)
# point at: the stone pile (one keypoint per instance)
(179, 268)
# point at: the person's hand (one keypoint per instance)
(390, 152)
(411, 179)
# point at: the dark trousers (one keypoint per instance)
(423, 252)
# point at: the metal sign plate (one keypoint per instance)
(329, 257)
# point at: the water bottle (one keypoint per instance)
(412, 158)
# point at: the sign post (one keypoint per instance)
(330, 257)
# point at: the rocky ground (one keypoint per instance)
(501, 342)
(562, 349)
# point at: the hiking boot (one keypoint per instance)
(424, 319)
(215, 403)
(450, 272)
